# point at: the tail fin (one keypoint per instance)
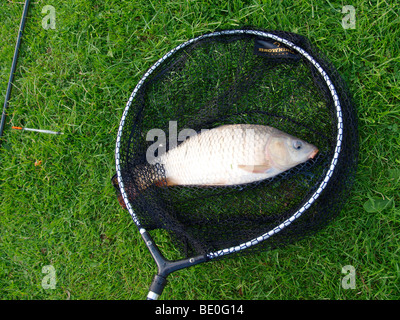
(139, 180)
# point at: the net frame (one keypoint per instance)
(316, 194)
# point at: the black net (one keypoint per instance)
(231, 79)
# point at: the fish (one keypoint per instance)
(233, 154)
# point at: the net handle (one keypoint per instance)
(165, 266)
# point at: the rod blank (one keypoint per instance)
(13, 66)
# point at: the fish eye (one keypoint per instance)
(297, 144)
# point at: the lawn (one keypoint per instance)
(58, 207)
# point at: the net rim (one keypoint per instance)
(312, 198)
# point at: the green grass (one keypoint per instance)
(77, 79)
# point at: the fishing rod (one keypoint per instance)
(13, 66)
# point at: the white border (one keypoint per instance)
(321, 187)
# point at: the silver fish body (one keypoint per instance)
(232, 155)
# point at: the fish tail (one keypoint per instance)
(140, 185)
(121, 201)
(131, 191)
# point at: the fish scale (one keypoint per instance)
(231, 155)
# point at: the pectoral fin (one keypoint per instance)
(255, 168)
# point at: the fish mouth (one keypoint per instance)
(313, 154)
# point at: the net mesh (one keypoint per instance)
(228, 79)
